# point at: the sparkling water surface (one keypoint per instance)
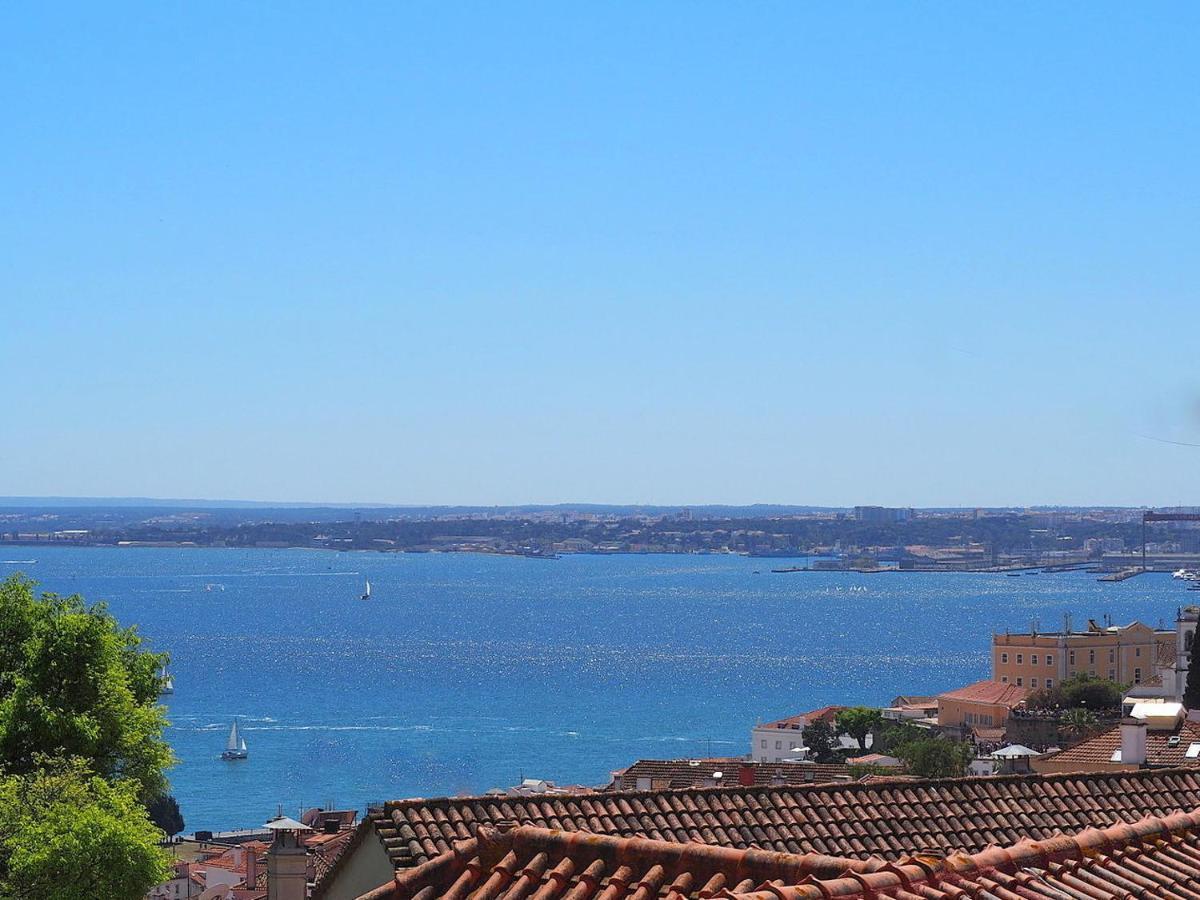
(465, 672)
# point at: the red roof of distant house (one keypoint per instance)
(1154, 857)
(685, 773)
(994, 692)
(824, 714)
(873, 759)
(1160, 751)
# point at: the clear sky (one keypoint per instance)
(921, 254)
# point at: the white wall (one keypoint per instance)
(775, 744)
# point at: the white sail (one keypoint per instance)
(232, 743)
(242, 745)
(368, 589)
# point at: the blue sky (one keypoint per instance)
(675, 252)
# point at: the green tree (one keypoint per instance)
(858, 722)
(936, 757)
(81, 751)
(1191, 687)
(821, 741)
(164, 812)
(891, 735)
(75, 685)
(1077, 723)
(66, 834)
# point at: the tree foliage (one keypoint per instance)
(858, 722)
(75, 685)
(822, 743)
(1191, 687)
(891, 735)
(1081, 690)
(1077, 723)
(935, 757)
(164, 812)
(66, 834)
(81, 751)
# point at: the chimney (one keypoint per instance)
(251, 867)
(746, 774)
(1133, 742)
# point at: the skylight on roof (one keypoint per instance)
(1116, 756)
(1193, 751)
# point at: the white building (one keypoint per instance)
(783, 739)
(1170, 671)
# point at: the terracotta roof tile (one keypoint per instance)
(1154, 856)
(985, 691)
(1160, 749)
(835, 819)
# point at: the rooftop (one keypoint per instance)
(824, 714)
(685, 773)
(1163, 748)
(996, 692)
(889, 818)
(1154, 857)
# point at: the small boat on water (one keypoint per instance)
(166, 684)
(235, 745)
(366, 595)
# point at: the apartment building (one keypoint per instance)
(1128, 654)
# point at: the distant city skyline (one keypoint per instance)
(668, 254)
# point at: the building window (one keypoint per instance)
(1033, 682)
(1072, 657)
(764, 745)
(1049, 659)
(1033, 659)
(1004, 679)
(1003, 657)
(1137, 651)
(1091, 656)
(1137, 676)
(791, 745)
(1112, 674)
(779, 745)
(1020, 658)
(1112, 655)
(1020, 681)
(1049, 682)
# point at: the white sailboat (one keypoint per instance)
(235, 746)
(367, 593)
(166, 684)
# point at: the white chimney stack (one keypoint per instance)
(1133, 742)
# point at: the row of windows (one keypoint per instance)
(1033, 682)
(977, 719)
(1112, 655)
(1033, 659)
(792, 745)
(1112, 676)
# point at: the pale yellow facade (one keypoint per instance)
(1126, 654)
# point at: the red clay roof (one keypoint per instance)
(1159, 750)
(1154, 857)
(889, 818)
(684, 773)
(996, 692)
(824, 714)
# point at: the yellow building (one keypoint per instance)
(1127, 654)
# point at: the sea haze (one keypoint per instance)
(466, 672)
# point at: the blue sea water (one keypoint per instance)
(465, 672)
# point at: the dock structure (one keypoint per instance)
(1124, 574)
